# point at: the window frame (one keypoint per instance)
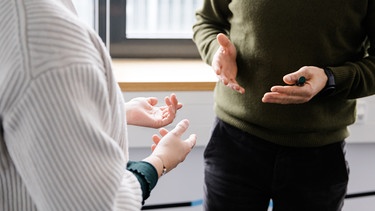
(122, 47)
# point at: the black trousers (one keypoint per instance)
(243, 172)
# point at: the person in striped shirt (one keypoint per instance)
(63, 119)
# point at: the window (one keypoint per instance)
(162, 19)
(143, 28)
(94, 13)
(152, 28)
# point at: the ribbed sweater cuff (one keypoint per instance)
(146, 175)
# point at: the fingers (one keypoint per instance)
(236, 87)
(233, 84)
(153, 147)
(305, 71)
(170, 148)
(191, 141)
(223, 41)
(224, 63)
(278, 98)
(152, 100)
(292, 91)
(288, 94)
(163, 131)
(181, 127)
(292, 79)
(172, 101)
(156, 139)
(293, 94)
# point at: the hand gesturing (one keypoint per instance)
(143, 111)
(225, 65)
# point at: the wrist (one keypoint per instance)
(164, 169)
(129, 110)
(330, 86)
(158, 164)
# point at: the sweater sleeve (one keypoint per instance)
(67, 138)
(146, 175)
(211, 20)
(355, 79)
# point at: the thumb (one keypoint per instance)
(152, 100)
(222, 40)
(292, 78)
(181, 127)
(289, 79)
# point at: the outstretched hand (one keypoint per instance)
(225, 65)
(170, 148)
(143, 111)
(316, 80)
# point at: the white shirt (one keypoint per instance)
(63, 141)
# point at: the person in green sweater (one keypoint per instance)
(274, 138)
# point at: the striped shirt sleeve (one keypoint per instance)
(62, 146)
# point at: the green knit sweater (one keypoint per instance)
(274, 38)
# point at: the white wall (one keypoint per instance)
(363, 129)
(197, 107)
